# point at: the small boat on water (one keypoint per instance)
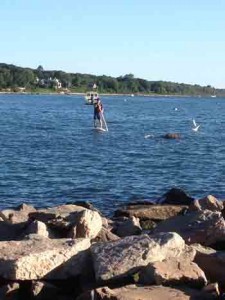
(91, 97)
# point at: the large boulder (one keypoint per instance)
(207, 203)
(39, 257)
(124, 257)
(151, 212)
(180, 270)
(203, 227)
(212, 262)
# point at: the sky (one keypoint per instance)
(171, 40)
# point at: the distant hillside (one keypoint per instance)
(12, 78)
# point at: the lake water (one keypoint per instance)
(50, 153)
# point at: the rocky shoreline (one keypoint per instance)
(172, 250)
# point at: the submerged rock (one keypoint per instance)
(172, 136)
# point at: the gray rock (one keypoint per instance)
(19, 215)
(129, 227)
(204, 227)
(174, 271)
(212, 262)
(121, 258)
(71, 220)
(209, 202)
(37, 227)
(39, 257)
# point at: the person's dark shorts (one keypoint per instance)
(97, 115)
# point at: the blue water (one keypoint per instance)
(50, 154)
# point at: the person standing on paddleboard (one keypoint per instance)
(98, 110)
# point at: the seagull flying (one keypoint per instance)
(196, 127)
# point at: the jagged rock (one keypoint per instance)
(204, 227)
(173, 271)
(105, 235)
(40, 257)
(176, 196)
(71, 220)
(121, 258)
(212, 262)
(176, 136)
(129, 227)
(37, 227)
(19, 215)
(61, 213)
(152, 212)
(209, 203)
(87, 225)
(134, 292)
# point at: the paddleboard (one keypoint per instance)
(99, 129)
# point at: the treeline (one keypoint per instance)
(13, 77)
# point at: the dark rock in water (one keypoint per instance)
(176, 196)
(172, 136)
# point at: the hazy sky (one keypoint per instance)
(173, 40)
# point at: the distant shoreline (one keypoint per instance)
(108, 94)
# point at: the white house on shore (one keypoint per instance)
(50, 82)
